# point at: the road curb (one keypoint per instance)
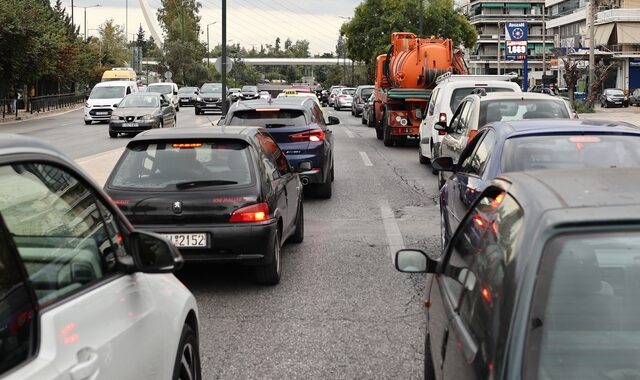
(41, 115)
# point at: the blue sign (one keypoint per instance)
(517, 34)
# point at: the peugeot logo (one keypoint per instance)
(177, 207)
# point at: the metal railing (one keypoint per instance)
(49, 102)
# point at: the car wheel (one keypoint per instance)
(370, 123)
(604, 105)
(429, 370)
(177, 108)
(333, 177)
(197, 112)
(363, 121)
(353, 113)
(161, 125)
(270, 274)
(88, 122)
(423, 160)
(113, 134)
(187, 365)
(324, 189)
(298, 235)
(175, 121)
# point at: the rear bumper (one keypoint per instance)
(247, 244)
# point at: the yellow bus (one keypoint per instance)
(119, 73)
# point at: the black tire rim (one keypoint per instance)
(187, 363)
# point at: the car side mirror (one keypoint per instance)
(175, 93)
(333, 120)
(443, 164)
(152, 253)
(115, 106)
(441, 126)
(414, 261)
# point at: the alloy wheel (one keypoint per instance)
(187, 363)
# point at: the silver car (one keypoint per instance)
(344, 98)
(142, 111)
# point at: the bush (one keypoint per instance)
(582, 108)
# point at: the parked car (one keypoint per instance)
(219, 194)
(538, 282)
(613, 97)
(343, 98)
(367, 111)
(104, 97)
(445, 98)
(479, 109)
(530, 145)
(83, 293)
(359, 98)
(298, 126)
(250, 92)
(169, 89)
(210, 98)
(634, 98)
(332, 94)
(188, 95)
(142, 111)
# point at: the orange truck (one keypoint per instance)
(405, 78)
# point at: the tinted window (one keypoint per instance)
(459, 93)
(586, 307)
(518, 109)
(58, 229)
(459, 122)
(478, 160)
(272, 151)
(569, 152)
(270, 118)
(169, 165)
(107, 92)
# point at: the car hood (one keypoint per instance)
(133, 111)
(103, 102)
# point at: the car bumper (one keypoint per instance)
(343, 104)
(317, 158)
(203, 107)
(132, 127)
(94, 114)
(617, 103)
(247, 244)
(187, 102)
(358, 107)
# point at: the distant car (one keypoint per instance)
(634, 98)
(142, 111)
(210, 98)
(265, 95)
(188, 95)
(298, 126)
(514, 294)
(234, 93)
(219, 194)
(359, 98)
(613, 97)
(169, 89)
(249, 93)
(367, 111)
(530, 145)
(83, 293)
(343, 98)
(332, 94)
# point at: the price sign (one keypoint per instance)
(516, 34)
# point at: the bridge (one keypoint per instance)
(280, 61)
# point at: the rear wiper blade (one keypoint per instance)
(192, 184)
(278, 125)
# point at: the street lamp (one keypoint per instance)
(85, 16)
(209, 47)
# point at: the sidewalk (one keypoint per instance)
(24, 116)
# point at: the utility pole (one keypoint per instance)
(73, 22)
(592, 16)
(126, 18)
(421, 15)
(544, 42)
(209, 46)
(499, 47)
(223, 64)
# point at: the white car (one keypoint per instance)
(169, 89)
(104, 97)
(445, 99)
(83, 295)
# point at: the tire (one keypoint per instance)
(175, 121)
(353, 112)
(324, 190)
(379, 135)
(113, 134)
(429, 370)
(178, 109)
(298, 235)
(161, 125)
(386, 131)
(88, 122)
(270, 274)
(363, 121)
(333, 176)
(187, 363)
(197, 112)
(370, 123)
(423, 160)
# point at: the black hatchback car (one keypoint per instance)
(299, 127)
(540, 281)
(220, 195)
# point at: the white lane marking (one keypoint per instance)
(391, 229)
(365, 159)
(92, 157)
(349, 133)
(99, 166)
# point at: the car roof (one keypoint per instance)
(535, 126)
(291, 102)
(190, 133)
(518, 96)
(12, 143)
(477, 83)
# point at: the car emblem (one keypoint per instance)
(177, 207)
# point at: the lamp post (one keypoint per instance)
(592, 61)
(208, 46)
(85, 16)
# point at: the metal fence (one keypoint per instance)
(37, 104)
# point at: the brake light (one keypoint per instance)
(584, 139)
(442, 119)
(267, 109)
(187, 146)
(343, 96)
(313, 135)
(251, 214)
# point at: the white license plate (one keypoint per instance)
(130, 125)
(184, 100)
(101, 113)
(188, 240)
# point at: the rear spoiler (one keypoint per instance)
(461, 77)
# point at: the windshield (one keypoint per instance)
(147, 101)
(166, 165)
(114, 92)
(586, 307)
(459, 93)
(570, 152)
(268, 118)
(366, 92)
(519, 109)
(615, 92)
(348, 91)
(250, 89)
(188, 90)
(161, 88)
(211, 88)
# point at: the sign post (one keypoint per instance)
(517, 35)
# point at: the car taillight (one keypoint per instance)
(442, 119)
(251, 214)
(343, 96)
(314, 135)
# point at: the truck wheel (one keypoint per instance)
(379, 133)
(386, 131)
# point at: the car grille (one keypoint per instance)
(214, 100)
(95, 111)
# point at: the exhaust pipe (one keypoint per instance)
(305, 180)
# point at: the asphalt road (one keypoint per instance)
(341, 310)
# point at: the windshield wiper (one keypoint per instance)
(192, 184)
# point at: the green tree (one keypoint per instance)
(113, 44)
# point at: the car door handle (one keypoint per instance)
(87, 367)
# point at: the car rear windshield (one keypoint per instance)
(586, 308)
(348, 91)
(459, 93)
(570, 152)
(107, 92)
(519, 109)
(366, 92)
(170, 165)
(269, 118)
(162, 89)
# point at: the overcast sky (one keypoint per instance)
(249, 22)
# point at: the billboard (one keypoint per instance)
(516, 34)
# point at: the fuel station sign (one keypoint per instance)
(517, 34)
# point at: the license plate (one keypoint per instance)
(184, 100)
(101, 113)
(130, 125)
(188, 240)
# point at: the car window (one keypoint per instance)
(464, 161)
(17, 312)
(366, 92)
(269, 118)
(478, 160)
(433, 101)
(519, 109)
(273, 151)
(58, 228)
(161, 88)
(459, 93)
(457, 126)
(168, 165)
(585, 307)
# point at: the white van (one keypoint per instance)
(445, 99)
(169, 89)
(104, 97)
